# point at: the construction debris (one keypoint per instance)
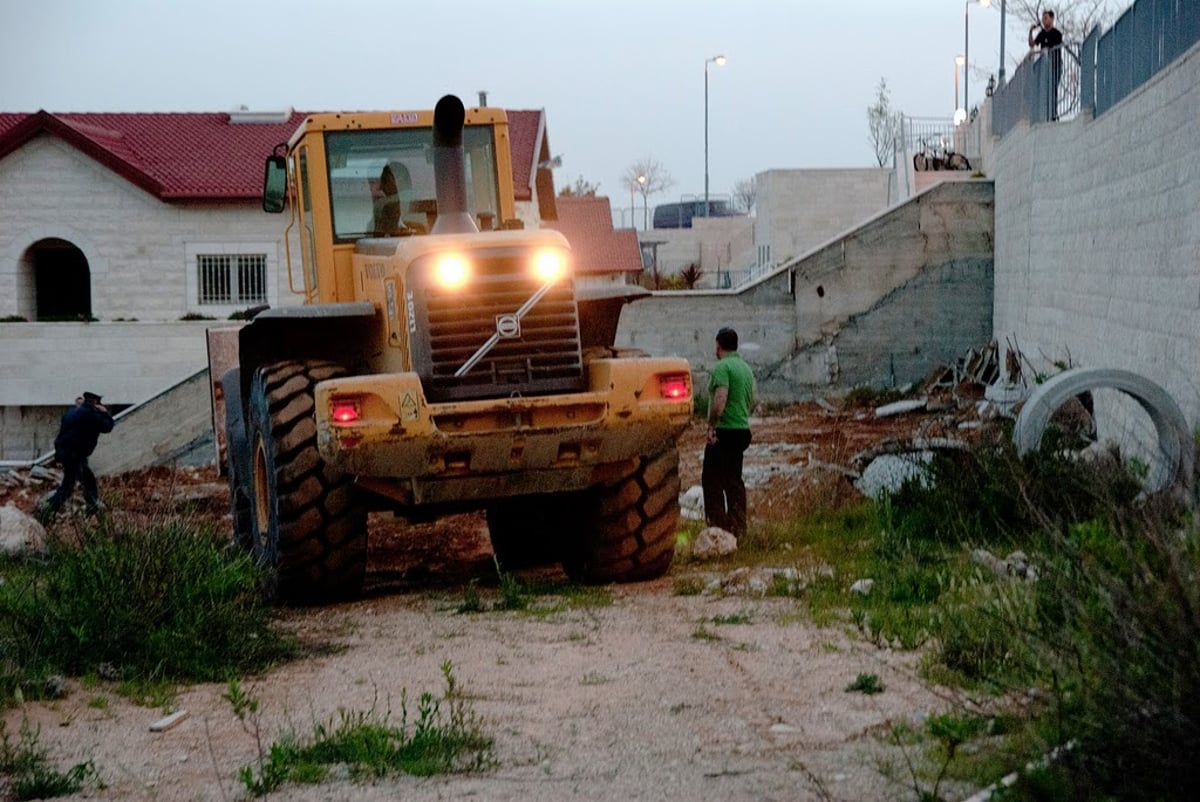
(167, 722)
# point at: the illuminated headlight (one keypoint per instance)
(451, 271)
(549, 266)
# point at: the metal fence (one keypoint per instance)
(1045, 88)
(1106, 68)
(1147, 37)
(936, 137)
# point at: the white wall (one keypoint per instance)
(715, 244)
(51, 363)
(798, 210)
(1098, 236)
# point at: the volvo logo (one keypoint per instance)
(508, 326)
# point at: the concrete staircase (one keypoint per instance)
(880, 305)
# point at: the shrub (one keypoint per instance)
(167, 601)
(1119, 627)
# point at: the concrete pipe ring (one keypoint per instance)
(1173, 472)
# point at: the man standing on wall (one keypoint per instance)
(1049, 39)
(77, 435)
(730, 397)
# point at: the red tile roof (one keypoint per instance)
(523, 130)
(587, 224)
(202, 156)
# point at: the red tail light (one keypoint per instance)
(675, 386)
(344, 410)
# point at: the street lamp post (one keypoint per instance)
(641, 179)
(967, 49)
(1002, 59)
(959, 110)
(720, 62)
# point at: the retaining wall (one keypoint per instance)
(881, 304)
(1098, 246)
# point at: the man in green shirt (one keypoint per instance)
(730, 397)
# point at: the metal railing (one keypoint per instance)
(1106, 68)
(1045, 88)
(1147, 37)
(937, 137)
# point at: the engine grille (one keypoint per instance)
(453, 325)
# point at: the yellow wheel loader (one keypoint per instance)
(444, 360)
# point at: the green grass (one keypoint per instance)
(444, 736)
(1104, 645)
(155, 606)
(26, 764)
(538, 599)
(868, 684)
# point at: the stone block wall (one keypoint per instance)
(798, 210)
(1098, 246)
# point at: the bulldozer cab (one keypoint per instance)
(369, 175)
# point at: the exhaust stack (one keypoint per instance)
(449, 168)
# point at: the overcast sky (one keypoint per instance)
(619, 80)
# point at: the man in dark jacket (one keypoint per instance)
(77, 435)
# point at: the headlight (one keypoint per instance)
(451, 271)
(549, 266)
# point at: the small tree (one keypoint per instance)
(647, 177)
(745, 194)
(882, 126)
(690, 275)
(581, 188)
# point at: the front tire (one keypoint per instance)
(630, 534)
(307, 523)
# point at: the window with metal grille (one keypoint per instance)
(232, 280)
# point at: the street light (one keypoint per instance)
(641, 179)
(967, 46)
(960, 112)
(1002, 59)
(720, 62)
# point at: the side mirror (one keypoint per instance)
(275, 184)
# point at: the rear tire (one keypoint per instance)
(237, 460)
(630, 533)
(307, 522)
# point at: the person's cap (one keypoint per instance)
(91, 398)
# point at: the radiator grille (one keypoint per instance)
(453, 325)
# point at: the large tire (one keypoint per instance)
(529, 531)
(307, 522)
(630, 534)
(237, 460)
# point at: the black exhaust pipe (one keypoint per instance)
(449, 168)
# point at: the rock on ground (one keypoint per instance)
(19, 533)
(714, 542)
(888, 473)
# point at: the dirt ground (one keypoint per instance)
(610, 702)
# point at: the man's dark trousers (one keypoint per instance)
(724, 490)
(75, 469)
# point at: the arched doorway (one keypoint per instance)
(61, 281)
